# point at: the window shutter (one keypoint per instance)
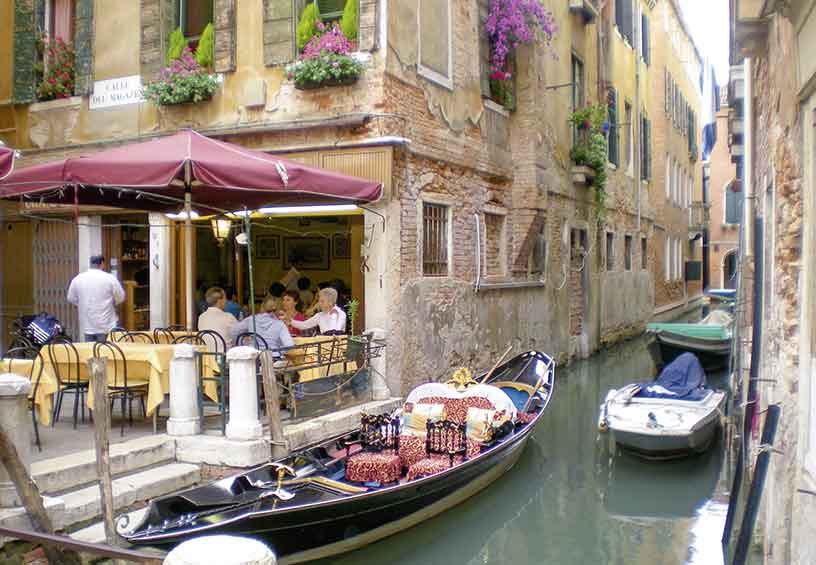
(331, 8)
(613, 128)
(83, 46)
(628, 21)
(224, 24)
(279, 31)
(484, 50)
(647, 57)
(25, 50)
(619, 14)
(159, 19)
(666, 104)
(649, 149)
(367, 26)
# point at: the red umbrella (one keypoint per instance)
(185, 167)
(6, 161)
(220, 176)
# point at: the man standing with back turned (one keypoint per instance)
(96, 294)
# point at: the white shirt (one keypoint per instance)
(96, 294)
(215, 319)
(333, 320)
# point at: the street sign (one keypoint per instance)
(116, 92)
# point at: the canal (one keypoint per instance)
(572, 500)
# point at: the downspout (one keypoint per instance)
(188, 246)
(748, 160)
(478, 282)
(636, 115)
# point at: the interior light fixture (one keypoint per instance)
(221, 228)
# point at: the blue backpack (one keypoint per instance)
(43, 327)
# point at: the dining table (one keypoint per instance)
(146, 362)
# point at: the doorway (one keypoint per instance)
(730, 270)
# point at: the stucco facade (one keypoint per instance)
(724, 235)
(505, 175)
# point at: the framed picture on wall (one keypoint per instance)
(267, 247)
(342, 246)
(306, 253)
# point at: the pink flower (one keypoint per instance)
(336, 65)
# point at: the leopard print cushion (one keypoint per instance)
(383, 468)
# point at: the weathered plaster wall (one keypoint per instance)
(723, 238)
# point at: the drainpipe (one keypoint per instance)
(636, 114)
(748, 160)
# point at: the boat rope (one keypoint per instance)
(766, 448)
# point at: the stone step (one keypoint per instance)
(95, 533)
(84, 504)
(61, 474)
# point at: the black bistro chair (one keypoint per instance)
(135, 337)
(217, 348)
(68, 376)
(120, 387)
(190, 339)
(445, 444)
(34, 373)
(251, 339)
(163, 335)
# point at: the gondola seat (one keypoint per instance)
(446, 445)
(378, 462)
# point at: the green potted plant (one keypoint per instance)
(589, 153)
(356, 343)
(326, 60)
(185, 80)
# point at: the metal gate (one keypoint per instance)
(55, 263)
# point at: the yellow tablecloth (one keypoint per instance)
(164, 339)
(333, 347)
(145, 362)
(43, 402)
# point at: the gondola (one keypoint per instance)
(710, 340)
(306, 507)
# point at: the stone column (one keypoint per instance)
(16, 422)
(185, 418)
(225, 550)
(159, 248)
(243, 388)
(376, 373)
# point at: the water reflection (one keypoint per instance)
(571, 500)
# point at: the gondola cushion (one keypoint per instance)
(525, 417)
(455, 408)
(380, 467)
(430, 465)
(481, 422)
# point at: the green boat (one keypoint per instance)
(709, 340)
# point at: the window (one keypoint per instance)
(644, 254)
(668, 177)
(624, 19)
(494, 255)
(577, 82)
(675, 180)
(645, 148)
(538, 256)
(627, 252)
(60, 19)
(733, 204)
(435, 49)
(331, 10)
(628, 125)
(645, 40)
(678, 255)
(667, 262)
(435, 238)
(194, 15)
(666, 91)
(610, 251)
(614, 157)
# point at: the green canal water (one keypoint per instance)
(572, 500)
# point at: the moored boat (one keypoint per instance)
(709, 340)
(355, 489)
(674, 416)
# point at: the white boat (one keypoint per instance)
(674, 416)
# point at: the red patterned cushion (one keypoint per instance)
(456, 408)
(367, 467)
(430, 466)
(411, 449)
(525, 417)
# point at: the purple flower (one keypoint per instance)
(336, 65)
(334, 43)
(513, 22)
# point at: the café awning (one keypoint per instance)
(155, 174)
(6, 161)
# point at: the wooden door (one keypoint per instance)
(18, 298)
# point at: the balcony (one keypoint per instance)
(586, 8)
(698, 217)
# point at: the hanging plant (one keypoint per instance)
(59, 72)
(326, 60)
(590, 148)
(183, 81)
(511, 23)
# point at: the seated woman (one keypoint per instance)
(268, 326)
(330, 319)
(289, 311)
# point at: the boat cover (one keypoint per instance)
(698, 331)
(682, 379)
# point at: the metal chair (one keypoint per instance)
(116, 333)
(191, 339)
(251, 339)
(34, 375)
(163, 335)
(136, 337)
(216, 347)
(121, 388)
(67, 375)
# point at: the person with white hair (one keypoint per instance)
(330, 319)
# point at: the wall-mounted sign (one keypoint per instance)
(116, 92)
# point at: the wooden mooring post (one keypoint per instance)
(272, 400)
(98, 370)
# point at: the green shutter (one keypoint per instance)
(613, 144)
(83, 46)
(331, 9)
(25, 51)
(224, 24)
(645, 40)
(484, 50)
(279, 31)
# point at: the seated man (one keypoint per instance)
(267, 325)
(331, 319)
(214, 318)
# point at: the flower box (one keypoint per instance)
(583, 174)
(312, 85)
